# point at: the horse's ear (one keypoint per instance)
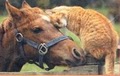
(12, 11)
(25, 4)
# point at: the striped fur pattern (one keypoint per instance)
(95, 31)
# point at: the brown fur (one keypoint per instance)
(94, 30)
(26, 22)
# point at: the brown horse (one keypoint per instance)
(26, 35)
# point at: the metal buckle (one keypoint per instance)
(42, 49)
(19, 37)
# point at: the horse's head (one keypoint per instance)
(26, 29)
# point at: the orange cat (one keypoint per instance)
(93, 29)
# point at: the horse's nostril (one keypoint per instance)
(76, 53)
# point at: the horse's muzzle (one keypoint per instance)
(79, 58)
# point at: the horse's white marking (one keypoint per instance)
(45, 18)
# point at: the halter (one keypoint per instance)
(41, 47)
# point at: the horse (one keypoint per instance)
(26, 36)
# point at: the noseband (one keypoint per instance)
(41, 47)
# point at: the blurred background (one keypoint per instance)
(109, 8)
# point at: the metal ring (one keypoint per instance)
(42, 49)
(19, 37)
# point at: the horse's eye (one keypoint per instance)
(37, 30)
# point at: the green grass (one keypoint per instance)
(102, 10)
(117, 28)
(2, 18)
(72, 35)
(33, 68)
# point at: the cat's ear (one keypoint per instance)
(62, 22)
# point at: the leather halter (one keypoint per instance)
(41, 47)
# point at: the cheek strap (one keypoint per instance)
(41, 47)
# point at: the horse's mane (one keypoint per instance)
(1, 34)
